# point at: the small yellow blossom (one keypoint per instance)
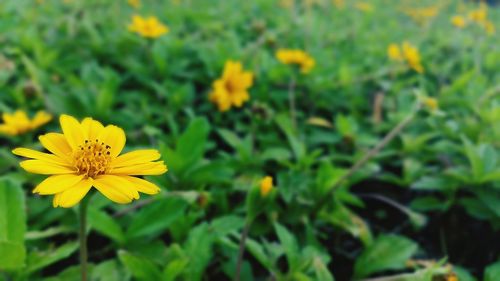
(19, 123)
(86, 155)
(340, 4)
(458, 21)
(479, 15)
(364, 7)
(266, 185)
(489, 27)
(149, 27)
(407, 53)
(287, 4)
(430, 103)
(134, 3)
(422, 15)
(394, 52)
(232, 88)
(298, 57)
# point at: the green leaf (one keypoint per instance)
(198, 248)
(174, 269)
(227, 224)
(140, 267)
(231, 138)
(39, 260)
(492, 272)
(12, 226)
(321, 271)
(289, 245)
(107, 271)
(106, 225)
(387, 252)
(155, 218)
(298, 147)
(191, 144)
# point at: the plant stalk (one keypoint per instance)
(82, 235)
(291, 101)
(369, 155)
(241, 251)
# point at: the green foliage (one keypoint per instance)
(431, 193)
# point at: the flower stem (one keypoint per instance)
(82, 235)
(291, 101)
(241, 251)
(369, 155)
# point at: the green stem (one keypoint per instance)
(82, 235)
(369, 155)
(291, 101)
(241, 251)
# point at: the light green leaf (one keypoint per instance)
(387, 252)
(155, 218)
(12, 226)
(104, 224)
(140, 267)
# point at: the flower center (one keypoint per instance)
(229, 85)
(92, 158)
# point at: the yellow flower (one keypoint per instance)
(339, 4)
(412, 57)
(87, 155)
(479, 15)
(489, 27)
(232, 88)
(287, 4)
(149, 27)
(134, 3)
(19, 123)
(407, 53)
(394, 52)
(458, 21)
(298, 57)
(430, 103)
(266, 185)
(364, 7)
(422, 15)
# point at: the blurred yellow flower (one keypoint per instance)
(408, 53)
(134, 3)
(458, 21)
(266, 185)
(394, 52)
(431, 103)
(364, 6)
(297, 57)
(422, 15)
(86, 154)
(149, 27)
(480, 16)
(19, 122)
(287, 4)
(339, 3)
(232, 88)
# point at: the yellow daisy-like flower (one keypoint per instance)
(266, 185)
(431, 103)
(364, 7)
(232, 88)
(339, 4)
(297, 57)
(458, 21)
(422, 15)
(19, 122)
(87, 155)
(149, 27)
(134, 3)
(408, 53)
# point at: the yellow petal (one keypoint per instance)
(92, 127)
(74, 194)
(116, 188)
(57, 144)
(72, 130)
(40, 118)
(143, 186)
(153, 168)
(44, 168)
(57, 184)
(30, 153)
(136, 157)
(114, 137)
(8, 130)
